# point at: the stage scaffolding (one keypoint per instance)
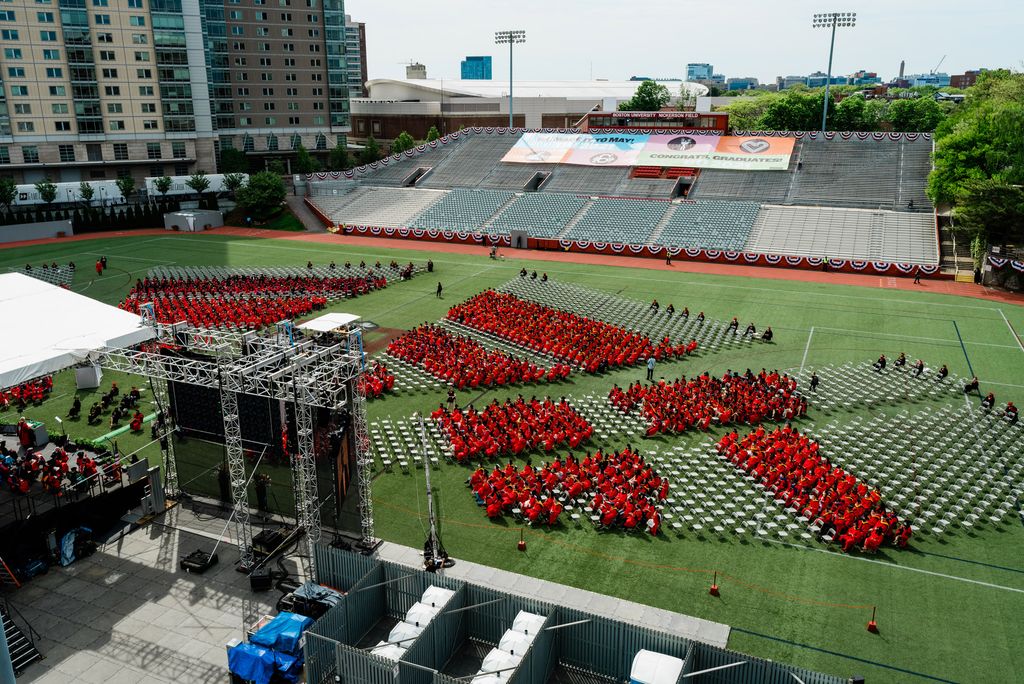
(308, 372)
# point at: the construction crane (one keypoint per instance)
(938, 65)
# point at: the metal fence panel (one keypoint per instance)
(438, 642)
(365, 604)
(489, 623)
(753, 671)
(406, 586)
(358, 667)
(340, 569)
(321, 657)
(540, 658)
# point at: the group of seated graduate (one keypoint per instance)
(376, 380)
(20, 471)
(790, 466)
(32, 392)
(512, 427)
(464, 362)
(673, 407)
(348, 286)
(125, 408)
(734, 325)
(593, 345)
(211, 311)
(619, 487)
(917, 368)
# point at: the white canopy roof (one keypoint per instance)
(49, 328)
(655, 668)
(329, 322)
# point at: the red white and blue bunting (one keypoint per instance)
(1001, 262)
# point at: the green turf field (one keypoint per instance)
(948, 609)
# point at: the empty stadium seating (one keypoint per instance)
(470, 162)
(709, 224)
(541, 214)
(619, 220)
(902, 237)
(368, 206)
(464, 210)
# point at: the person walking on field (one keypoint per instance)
(650, 368)
(439, 290)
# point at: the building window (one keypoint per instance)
(22, 109)
(248, 144)
(12, 53)
(54, 72)
(26, 127)
(16, 72)
(59, 108)
(117, 125)
(97, 174)
(135, 4)
(108, 55)
(261, 16)
(62, 126)
(94, 152)
(287, 33)
(101, 3)
(7, 15)
(314, 48)
(109, 73)
(112, 91)
(101, 19)
(150, 124)
(178, 149)
(146, 91)
(293, 121)
(318, 120)
(142, 56)
(9, 34)
(5, 155)
(260, 31)
(30, 153)
(140, 39)
(120, 151)
(243, 92)
(149, 108)
(114, 108)
(66, 152)
(44, 17)
(263, 47)
(266, 61)
(264, 76)
(245, 106)
(240, 61)
(239, 31)
(104, 37)
(144, 73)
(181, 169)
(288, 47)
(286, 16)
(136, 21)
(153, 151)
(245, 121)
(268, 92)
(272, 143)
(313, 33)
(51, 54)
(156, 171)
(235, 14)
(19, 91)
(293, 106)
(269, 106)
(58, 91)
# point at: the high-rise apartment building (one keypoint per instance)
(476, 68)
(355, 56)
(95, 89)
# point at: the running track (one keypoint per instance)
(937, 286)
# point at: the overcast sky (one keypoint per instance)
(615, 39)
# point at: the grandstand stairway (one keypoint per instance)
(576, 219)
(655, 236)
(955, 255)
(22, 646)
(486, 225)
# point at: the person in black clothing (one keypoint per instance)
(1010, 413)
(751, 330)
(76, 408)
(686, 313)
(522, 273)
(700, 317)
(439, 290)
(734, 326)
(333, 266)
(670, 309)
(430, 265)
(917, 277)
(972, 386)
(668, 259)
(901, 361)
(103, 260)
(941, 375)
(309, 265)
(654, 306)
(918, 368)
(544, 278)
(880, 363)
(533, 275)
(451, 399)
(815, 380)
(988, 402)
(768, 335)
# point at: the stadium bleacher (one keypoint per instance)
(709, 224)
(629, 221)
(902, 237)
(386, 207)
(472, 160)
(541, 214)
(463, 210)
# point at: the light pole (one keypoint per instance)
(510, 37)
(832, 20)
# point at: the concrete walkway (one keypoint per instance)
(698, 629)
(302, 212)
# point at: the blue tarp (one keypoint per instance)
(252, 663)
(283, 633)
(316, 592)
(289, 667)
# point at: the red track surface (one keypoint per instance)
(884, 282)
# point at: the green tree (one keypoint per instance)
(920, 114)
(233, 161)
(163, 185)
(796, 111)
(370, 152)
(262, 195)
(850, 115)
(745, 112)
(126, 184)
(338, 159)
(276, 166)
(198, 182)
(402, 143)
(991, 209)
(304, 162)
(86, 191)
(649, 97)
(982, 139)
(8, 192)
(233, 181)
(433, 134)
(47, 191)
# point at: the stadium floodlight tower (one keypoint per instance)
(511, 38)
(832, 20)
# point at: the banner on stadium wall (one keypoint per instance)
(742, 153)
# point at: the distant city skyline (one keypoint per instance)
(573, 40)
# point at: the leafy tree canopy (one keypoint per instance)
(649, 97)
